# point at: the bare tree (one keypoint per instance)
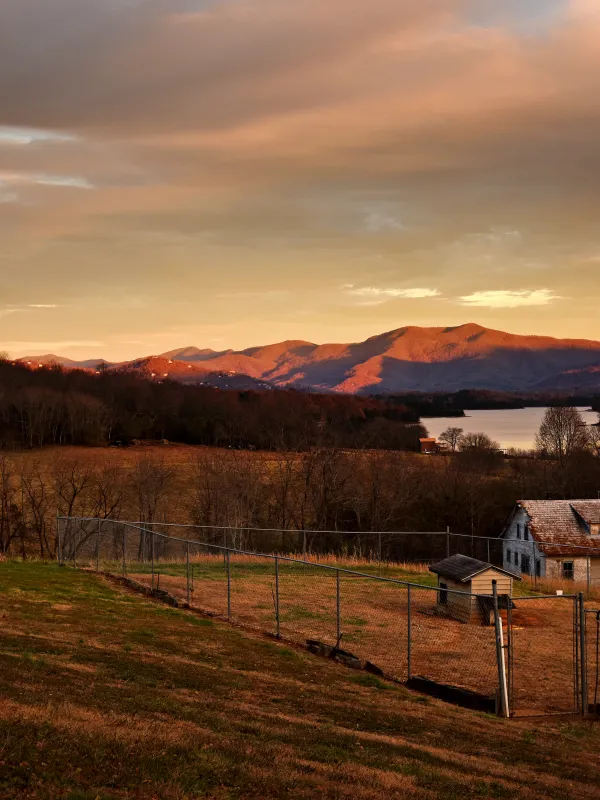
(562, 433)
(477, 441)
(36, 502)
(451, 436)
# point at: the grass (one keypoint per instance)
(104, 694)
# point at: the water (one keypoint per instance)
(509, 427)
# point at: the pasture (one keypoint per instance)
(404, 636)
(107, 695)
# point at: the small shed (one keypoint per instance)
(464, 574)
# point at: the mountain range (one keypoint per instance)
(403, 360)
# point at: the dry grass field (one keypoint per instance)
(106, 695)
(374, 622)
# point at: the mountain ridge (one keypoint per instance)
(409, 358)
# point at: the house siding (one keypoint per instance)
(522, 547)
(554, 568)
(549, 566)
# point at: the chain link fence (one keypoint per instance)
(592, 660)
(406, 631)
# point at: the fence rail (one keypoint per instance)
(525, 655)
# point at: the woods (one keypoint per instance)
(320, 489)
(46, 406)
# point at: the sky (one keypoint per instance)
(228, 173)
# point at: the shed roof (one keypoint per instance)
(463, 568)
(556, 525)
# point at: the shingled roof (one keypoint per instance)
(558, 529)
(462, 568)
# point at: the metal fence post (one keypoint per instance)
(277, 615)
(58, 542)
(488, 551)
(583, 655)
(187, 571)
(448, 541)
(589, 581)
(124, 553)
(98, 545)
(409, 635)
(338, 607)
(502, 687)
(152, 555)
(533, 564)
(228, 562)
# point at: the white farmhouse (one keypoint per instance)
(554, 539)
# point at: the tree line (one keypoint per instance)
(55, 406)
(318, 491)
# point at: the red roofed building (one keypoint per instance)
(554, 539)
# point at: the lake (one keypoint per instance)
(509, 427)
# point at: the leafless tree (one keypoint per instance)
(451, 436)
(562, 433)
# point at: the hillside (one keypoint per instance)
(107, 695)
(407, 359)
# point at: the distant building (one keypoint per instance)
(429, 445)
(555, 539)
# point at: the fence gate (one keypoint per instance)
(544, 675)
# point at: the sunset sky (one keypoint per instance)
(227, 173)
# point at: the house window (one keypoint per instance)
(516, 559)
(526, 532)
(518, 530)
(568, 570)
(508, 554)
(443, 594)
(595, 530)
(525, 564)
(538, 568)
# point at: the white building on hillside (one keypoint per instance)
(555, 539)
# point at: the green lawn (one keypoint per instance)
(104, 694)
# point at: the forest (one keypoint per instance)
(50, 405)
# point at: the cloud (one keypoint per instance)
(64, 181)
(376, 291)
(27, 136)
(376, 295)
(236, 144)
(509, 299)
(29, 346)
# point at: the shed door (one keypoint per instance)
(595, 570)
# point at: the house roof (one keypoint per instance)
(462, 568)
(556, 525)
(588, 510)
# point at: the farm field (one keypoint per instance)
(107, 695)
(375, 622)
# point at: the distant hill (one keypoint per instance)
(407, 359)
